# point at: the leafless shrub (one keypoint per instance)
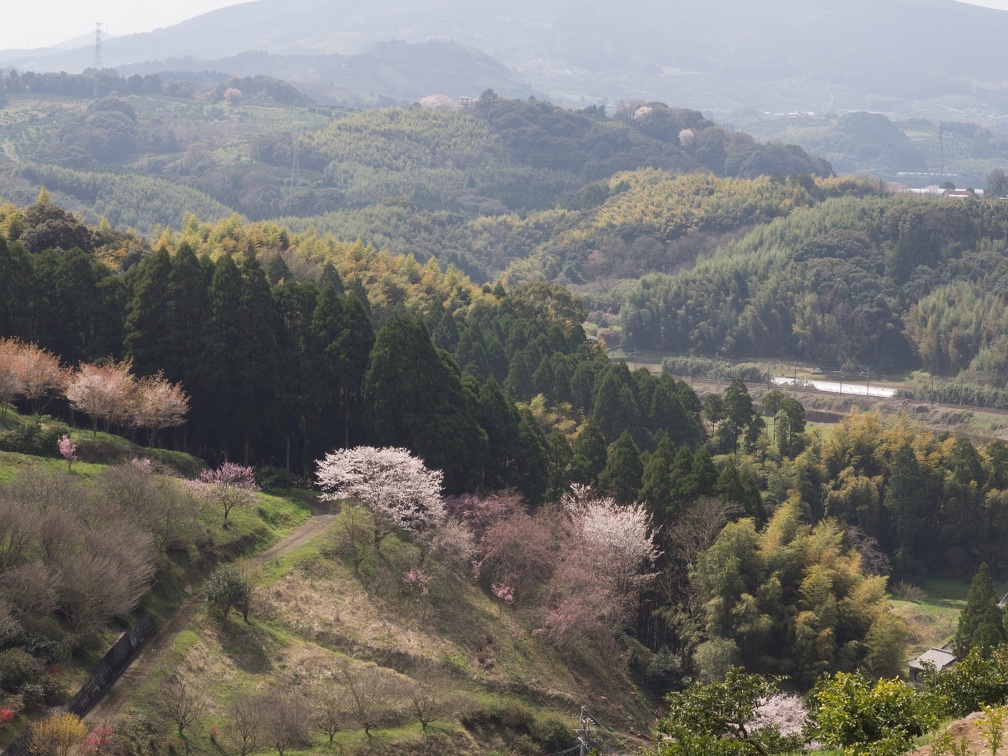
(58, 529)
(18, 531)
(180, 701)
(39, 490)
(31, 589)
(159, 504)
(8, 622)
(106, 576)
(905, 591)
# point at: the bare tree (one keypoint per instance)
(431, 697)
(374, 697)
(181, 701)
(18, 530)
(330, 709)
(351, 537)
(693, 533)
(106, 575)
(245, 722)
(288, 720)
(8, 622)
(31, 589)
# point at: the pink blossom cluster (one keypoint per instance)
(230, 475)
(99, 742)
(503, 592)
(788, 712)
(230, 485)
(6, 717)
(68, 448)
(144, 465)
(417, 581)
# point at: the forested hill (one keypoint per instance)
(246, 146)
(682, 235)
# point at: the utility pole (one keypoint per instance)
(583, 733)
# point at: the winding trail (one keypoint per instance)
(122, 690)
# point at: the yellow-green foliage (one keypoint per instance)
(389, 280)
(794, 598)
(57, 734)
(400, 140)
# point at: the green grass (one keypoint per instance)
(934, 619)
(311, 613)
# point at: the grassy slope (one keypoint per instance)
(249, 531)
(312, 614)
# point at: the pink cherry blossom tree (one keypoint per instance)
(159, 404)
(10, 380)
(68, 449)
(103, 392)
(398, 488)
(603, 569)
(229, 486)
(39, 375)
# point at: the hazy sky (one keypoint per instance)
(28, 23)
(38, 24)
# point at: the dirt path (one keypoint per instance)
(121, 691)
(8, 149)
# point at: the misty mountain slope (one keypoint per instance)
(807, 52)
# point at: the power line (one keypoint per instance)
(585, 714)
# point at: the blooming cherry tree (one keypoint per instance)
(38, 375)
(229, 486)
(159, 404)
(618, 536)
(103, 392)
(398, 488)
(68, 449)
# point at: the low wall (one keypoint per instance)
(104, 674)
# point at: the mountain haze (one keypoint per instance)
(719, 55)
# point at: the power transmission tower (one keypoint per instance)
(97, 64)
(295, 179)
(941, 150)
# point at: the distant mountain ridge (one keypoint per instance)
(719, 54)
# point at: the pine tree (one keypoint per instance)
(589, 454)
(904, 499)
(981, 623)
(656, 483)
(621, 477)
